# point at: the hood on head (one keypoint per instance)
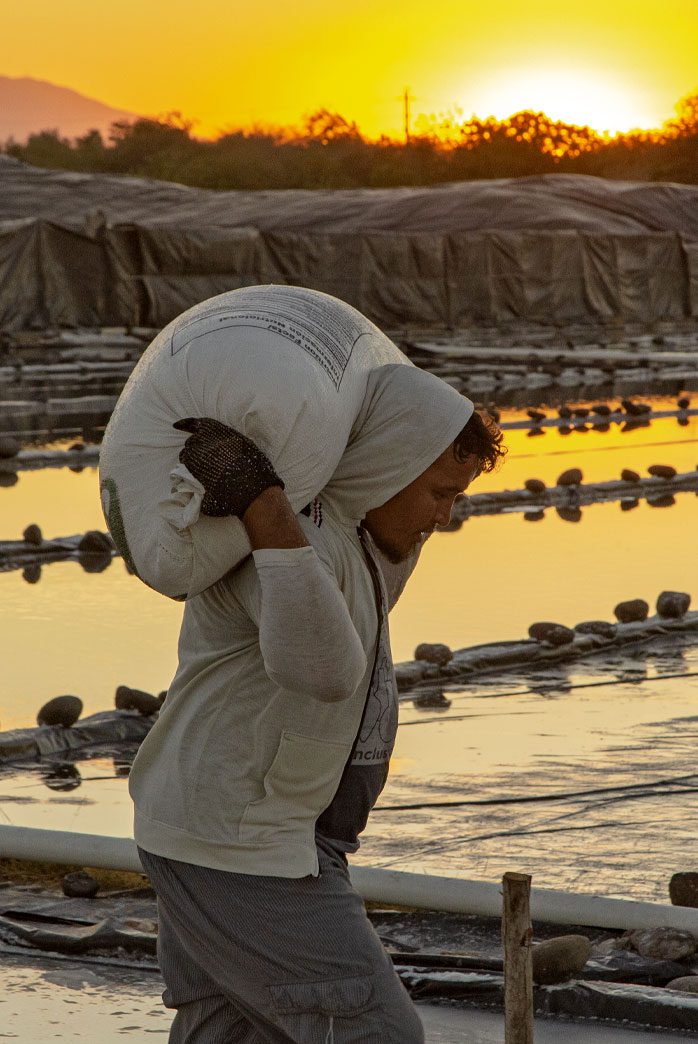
(408, 418)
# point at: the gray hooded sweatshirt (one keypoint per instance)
(281, 717)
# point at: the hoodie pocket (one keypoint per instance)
(299, 784)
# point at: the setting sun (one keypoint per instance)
(575, 96)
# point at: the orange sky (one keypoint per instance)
(613, 65)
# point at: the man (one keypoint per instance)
(274, 740)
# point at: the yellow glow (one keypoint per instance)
(575, 96)
(229, 64)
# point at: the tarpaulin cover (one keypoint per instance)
(90, 249)
(45, 740)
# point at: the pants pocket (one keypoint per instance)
(334, 1011)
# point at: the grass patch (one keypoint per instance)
(50, 875)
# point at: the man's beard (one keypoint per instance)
(392, 552)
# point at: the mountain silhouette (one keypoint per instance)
(28, 106)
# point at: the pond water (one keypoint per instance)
(74, 632)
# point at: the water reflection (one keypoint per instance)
(122, 763)
(661, 501)
(569, 514)
(431, 699)
(95, 561)
(63, 776)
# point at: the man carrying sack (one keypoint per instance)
(274, 740)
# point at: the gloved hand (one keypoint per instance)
(232, 470)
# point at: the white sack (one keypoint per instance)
(286, 366)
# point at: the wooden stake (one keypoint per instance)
(517, 934)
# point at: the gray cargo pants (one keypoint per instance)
(274, 960)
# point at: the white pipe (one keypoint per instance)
(392, 887)
(61, 846)
(459, 895)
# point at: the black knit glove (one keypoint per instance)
(227, 464)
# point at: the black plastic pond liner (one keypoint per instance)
(645, 1006)
(118, 927)
(623, 966)
(630, 967)
(76, 938)
(619, 1002)
(104, 727)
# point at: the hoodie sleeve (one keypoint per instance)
(306, 636)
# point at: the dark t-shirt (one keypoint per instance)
(366, 770)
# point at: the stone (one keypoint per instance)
(433, 653)
(533, 516)
(565, 412)
(61, 710)
(683, 888)
(33, 535)
(668, 944)
(684, 402)
(635, 609)
(628, 475)
(662, 471)
(94, 542)
(672, 605)
(77, 447)
(559, 635)
(31, 574)
(564, 429)
(571, 477)
(601, 427)
(532, 433)
(559, 959)
(541, 629)
(8, 479)
(602, 410)
(535, 486)
(683, 422)
(581, 411)
(684, 984)
(80, 885)
(636, 409)
(536, 415)
(128, 699)
(569, 514)
(600, 627)
(9, 447)
(629, 505)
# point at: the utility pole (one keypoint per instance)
(406, 99)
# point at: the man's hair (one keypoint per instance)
(482, 438)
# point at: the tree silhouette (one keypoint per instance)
(329, 151)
